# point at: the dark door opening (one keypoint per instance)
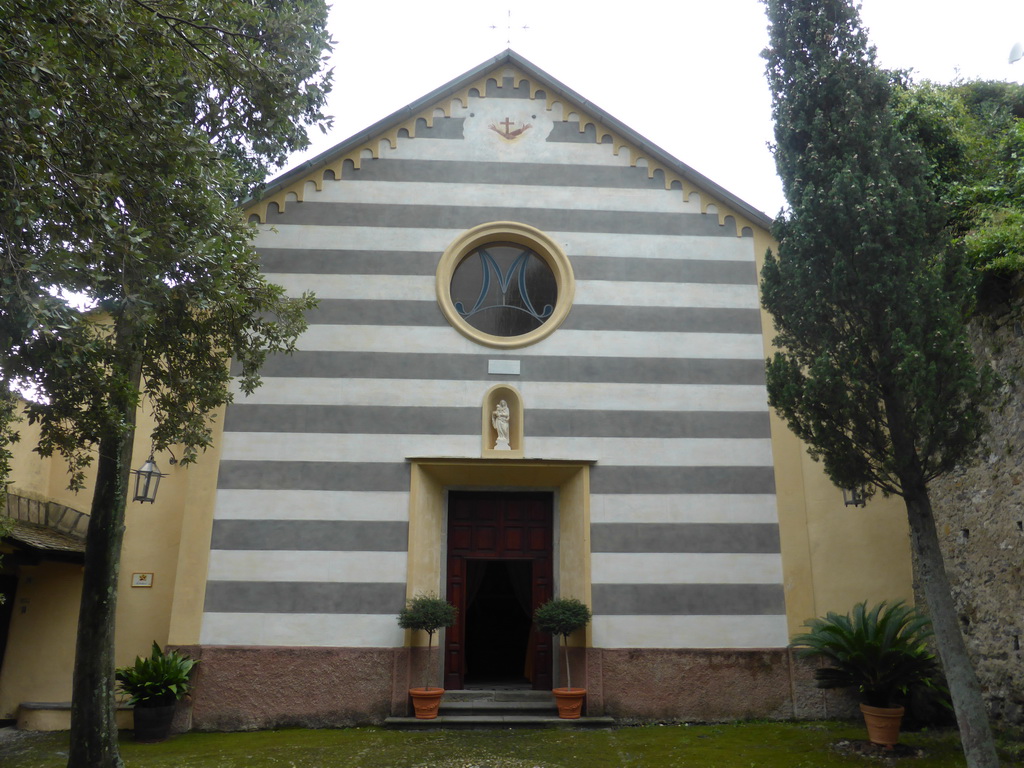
(499, 570)
(498, 619)
(8, 588)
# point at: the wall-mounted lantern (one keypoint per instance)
(147, 480)
(854, 497)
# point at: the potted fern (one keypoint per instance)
(562, 616)
(427, 613)
(881, 652)
(154, 685)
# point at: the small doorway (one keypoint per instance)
(499, 570)
(8, 589)
(498, 619)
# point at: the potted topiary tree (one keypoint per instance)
(881, 652)
(154, 685)
(429, 614)
(563, 616)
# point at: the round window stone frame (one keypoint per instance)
(506, 232)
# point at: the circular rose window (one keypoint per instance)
(504, 284)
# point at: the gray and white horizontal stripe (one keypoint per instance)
(656, 376)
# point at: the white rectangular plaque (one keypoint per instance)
(506, 367)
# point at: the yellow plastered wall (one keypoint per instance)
(193, 557)
(41, 643)
(832, 556)
(39, 658)
(30, 475)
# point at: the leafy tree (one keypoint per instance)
(973, 136)
(875, 373)
(994, 237)
(563, 616)
(427, 613)
(132, 129)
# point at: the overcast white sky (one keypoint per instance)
(686, 74)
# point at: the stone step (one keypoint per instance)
(501, 708)
(498, 703)
(501, 694)
(481, 706)
(456, 722)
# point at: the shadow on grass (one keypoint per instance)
(734, 745)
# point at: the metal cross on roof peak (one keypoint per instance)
(508, 28)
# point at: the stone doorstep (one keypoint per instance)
(498, 703)
(497, 721)
(507, 707)
(506, 695)
(56, 716)
(498, 709)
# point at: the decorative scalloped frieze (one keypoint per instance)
(295, 191)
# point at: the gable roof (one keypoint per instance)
(294, 180)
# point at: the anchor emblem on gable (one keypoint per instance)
(508, 130)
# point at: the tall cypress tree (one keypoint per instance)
(875, 373)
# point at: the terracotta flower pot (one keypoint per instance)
(569, 701)
(425, 702)
(883, 724)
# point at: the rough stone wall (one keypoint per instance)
(980, 516)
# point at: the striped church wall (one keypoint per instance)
(656, 376)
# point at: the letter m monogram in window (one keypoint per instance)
(504, 284)
(504, 289)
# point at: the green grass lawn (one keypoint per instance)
(742, 745)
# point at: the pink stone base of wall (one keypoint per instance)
(251, 688)
(708, 685)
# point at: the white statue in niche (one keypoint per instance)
(499, 420)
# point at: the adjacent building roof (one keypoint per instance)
(45, 526)
(42, 538)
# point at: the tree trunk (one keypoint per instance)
(426, 669)
(568, 673)
(93, 704)
(972, 719)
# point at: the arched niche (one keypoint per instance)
(514, 405)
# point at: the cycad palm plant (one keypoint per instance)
(881, 652)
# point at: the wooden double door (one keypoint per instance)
(499, 571)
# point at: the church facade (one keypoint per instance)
(536, 369)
